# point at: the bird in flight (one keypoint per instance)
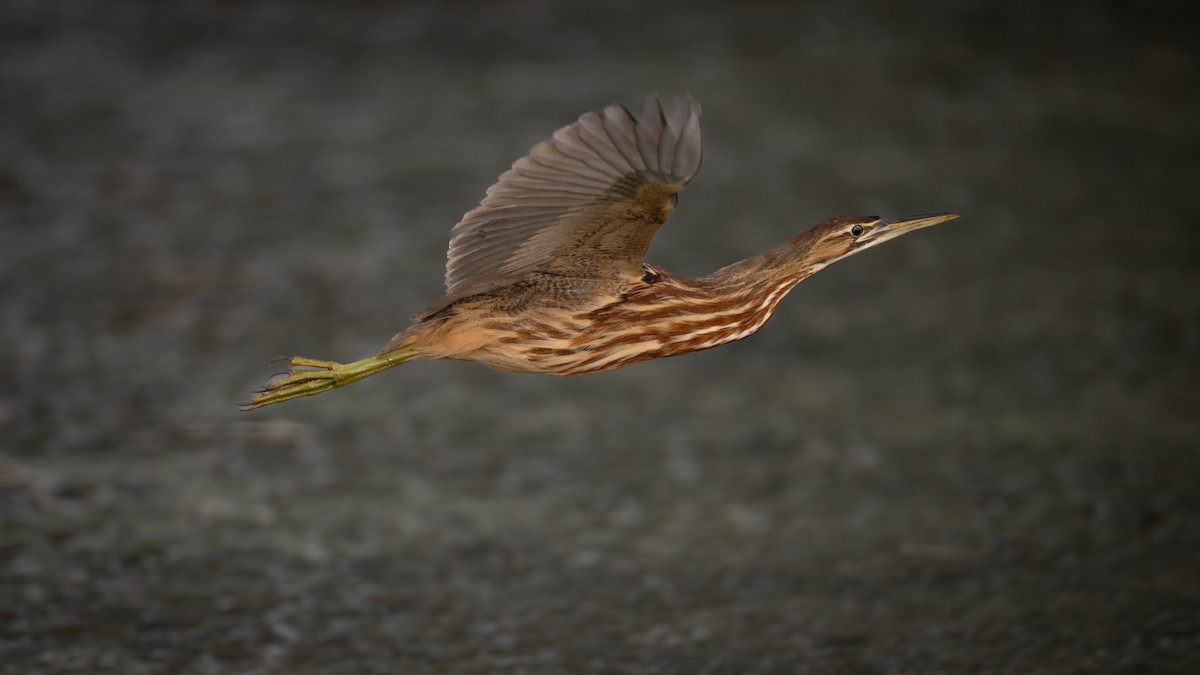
(547, 275)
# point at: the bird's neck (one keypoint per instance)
(775, 271)
(667, 314)
(729, 304)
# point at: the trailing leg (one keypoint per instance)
(307, 377)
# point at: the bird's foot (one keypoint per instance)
(306, 376)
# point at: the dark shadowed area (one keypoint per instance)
(973, 449)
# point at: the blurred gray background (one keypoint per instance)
(970, 450)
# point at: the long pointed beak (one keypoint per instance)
(898, 226)
(891, 228)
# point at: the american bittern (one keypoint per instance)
(547, 274)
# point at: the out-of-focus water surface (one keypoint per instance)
(971, 449)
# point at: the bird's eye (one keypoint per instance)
(857, 230)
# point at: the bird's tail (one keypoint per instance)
(306, 377)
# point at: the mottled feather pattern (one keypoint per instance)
(675, 315)
(672, 315)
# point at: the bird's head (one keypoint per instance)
(844, 236)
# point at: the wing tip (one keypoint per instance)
(681, 147)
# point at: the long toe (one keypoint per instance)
(305, 362)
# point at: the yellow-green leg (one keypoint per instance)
(311, 376)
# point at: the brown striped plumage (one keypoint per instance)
(547, 274)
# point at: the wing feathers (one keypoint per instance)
(568, 187)
(649, 134)
(621, 130)
(595, 136)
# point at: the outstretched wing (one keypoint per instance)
(584, 204)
